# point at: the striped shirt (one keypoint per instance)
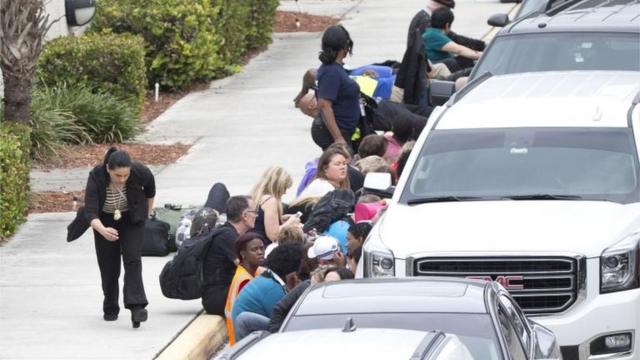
(115, 200)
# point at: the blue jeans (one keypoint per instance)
(248, 322)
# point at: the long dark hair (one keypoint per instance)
(334, 39)
(420, 22)
(115, 158)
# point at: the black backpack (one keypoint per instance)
(335, 205)
(182, 277)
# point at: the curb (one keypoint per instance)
(198, 341)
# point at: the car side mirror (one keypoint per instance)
(498, 20)
(379, 184)
(547, 347)
(440, 91)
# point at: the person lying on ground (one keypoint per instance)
(268, 193)
(220, 261)
(254, 306)
(250, 253)
(441, 49)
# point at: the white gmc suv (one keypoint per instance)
(531, 180)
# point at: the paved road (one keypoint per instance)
(50, 298)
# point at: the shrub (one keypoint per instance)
(108, 63)
(14, 177)
(101, 117)
(189, 41)
(260, 22)
(183, 44)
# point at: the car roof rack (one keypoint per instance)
(426, 345)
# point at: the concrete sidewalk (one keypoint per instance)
(50, 295)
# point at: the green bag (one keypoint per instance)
(171, 214)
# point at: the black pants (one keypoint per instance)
(458, 63)
(129, 245)
(322, 137)
(214, 299)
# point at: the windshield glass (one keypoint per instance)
(561, 51)
(585, 163)
(475, 331)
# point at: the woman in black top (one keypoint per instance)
(118, 199)
(338, 95)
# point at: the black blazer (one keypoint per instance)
(140, 187)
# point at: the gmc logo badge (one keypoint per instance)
(509, 282)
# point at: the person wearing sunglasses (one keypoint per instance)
(220, 261)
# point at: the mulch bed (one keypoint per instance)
(90, 155)
(287, 21)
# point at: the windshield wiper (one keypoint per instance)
(442, 199)
(543, 197)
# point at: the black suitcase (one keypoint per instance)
(156, 238)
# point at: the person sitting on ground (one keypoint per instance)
(327, 250)
(250, 253)
(268, 193)
(339, 230)
(220, 261)
(356, 236)
(474, 44)
(373, 144)
(331, 174)
(321, 274)
(356, 179)
(402, 132)
(254, 306)
(353, 259)
(441, 49)
(288, 234)
(373, 163)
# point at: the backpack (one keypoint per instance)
(335, 205)
(182, 277)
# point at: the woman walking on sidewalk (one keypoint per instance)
(118, 199)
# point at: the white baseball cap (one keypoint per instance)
(324, 248)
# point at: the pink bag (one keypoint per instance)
(368, 211)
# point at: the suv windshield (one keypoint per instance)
(525, 163)
(561, 51)
(475, 331)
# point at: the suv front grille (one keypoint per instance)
(539, 285)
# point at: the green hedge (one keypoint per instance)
(259, 24)
(108, 63)
(190, 40)
(14, 177)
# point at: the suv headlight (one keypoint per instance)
(619, 265)
(378, 260)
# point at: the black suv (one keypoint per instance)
(585, 35)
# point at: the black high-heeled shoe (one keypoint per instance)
(110, 317)
(138, 316)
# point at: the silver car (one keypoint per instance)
(481, 314)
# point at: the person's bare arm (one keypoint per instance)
(271, 222)
(330, 120)
(460, 50)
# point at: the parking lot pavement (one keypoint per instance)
(50, 297)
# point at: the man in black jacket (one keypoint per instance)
(220, 261)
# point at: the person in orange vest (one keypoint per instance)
(250, 252)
